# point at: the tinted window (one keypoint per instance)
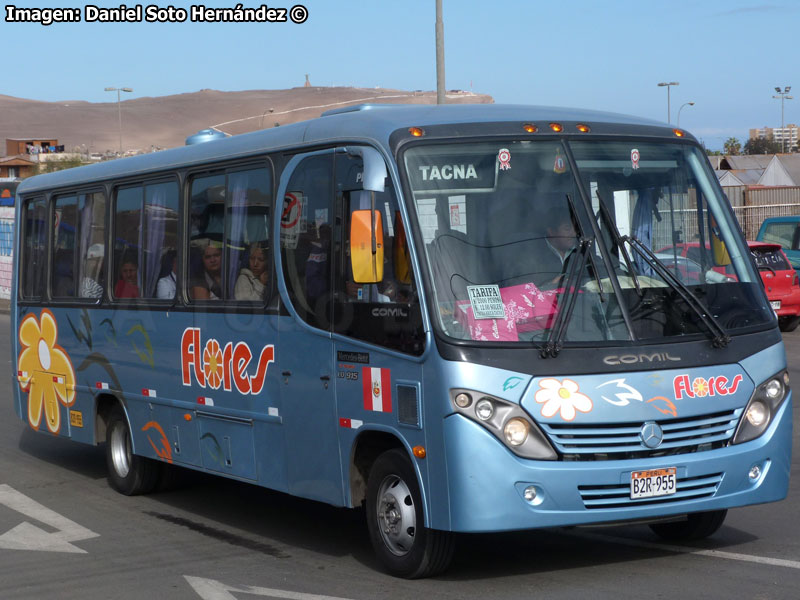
(64, 247)
(91, 245)
(388, 312)
(779, 233)
(230, 249)
(306, 238)
(33, 265)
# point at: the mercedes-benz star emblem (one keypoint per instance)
(651, 434)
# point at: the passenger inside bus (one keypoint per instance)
(559, 243)
(127, 284)
(207, 284)
(165, 288)
(91, 286)
(253, 282)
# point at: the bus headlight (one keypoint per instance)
(763, 406)
(507, 421)
(516, 431)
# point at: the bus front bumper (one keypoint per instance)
(487, 483)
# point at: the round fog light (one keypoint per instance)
(755, 472)
(773, 389)
(757, 414)
(463, 400)
(484, 409)
(516, 431)
(530, 493)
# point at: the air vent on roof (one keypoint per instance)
(205, 135)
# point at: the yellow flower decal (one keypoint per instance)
(561, 396)
(45, 371)
(212, 363)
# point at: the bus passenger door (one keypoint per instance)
(304, 355)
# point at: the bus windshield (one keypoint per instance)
(601, 240)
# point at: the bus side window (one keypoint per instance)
(386, 313)
(91, 253)
(306, 239)
(63, 250)
(34, 263)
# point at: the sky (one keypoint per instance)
(727, 56)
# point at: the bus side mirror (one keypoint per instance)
(374, 175)
(366, 246)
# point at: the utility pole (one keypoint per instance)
(440, 99)
(783, 96)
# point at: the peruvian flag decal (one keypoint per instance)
(377, 389)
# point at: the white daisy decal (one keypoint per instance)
(561, 396)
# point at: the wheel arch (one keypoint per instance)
(367, 447)
(104, 404)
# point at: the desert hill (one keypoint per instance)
(166, 121)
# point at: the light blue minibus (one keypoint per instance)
(461, 318)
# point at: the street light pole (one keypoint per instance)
(681, 108)
(440, 97)
(783, 96)
(119, 110)
(668, 85)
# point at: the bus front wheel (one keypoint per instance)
(128, 473)
(696, 526)
(395, 520)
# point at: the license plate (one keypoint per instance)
(653, 483)
(775, 304)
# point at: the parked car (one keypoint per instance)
(780, 280)
(784, 231)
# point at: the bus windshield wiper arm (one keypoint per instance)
(612, 228)
(720, 337)
(559, 329)
(579, 229)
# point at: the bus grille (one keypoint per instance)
(620, 441)
(618, 496)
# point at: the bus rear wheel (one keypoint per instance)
(128, 473)
(696, 526)
(395, 520)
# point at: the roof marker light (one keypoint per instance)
(416, 131)
(583, 128)
(557, 127)
(530, 128)
(678, 132)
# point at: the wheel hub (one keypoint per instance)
(396, 515)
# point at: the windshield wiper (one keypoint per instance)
(619, 242)
(576, 223)
(720, 337)
(574, 273)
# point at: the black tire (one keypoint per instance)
(128, 473)
(788, 324)
(696, 526)
(395, 518)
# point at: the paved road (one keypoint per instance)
(219, 540)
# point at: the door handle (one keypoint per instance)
(325, 377)
(286, 374)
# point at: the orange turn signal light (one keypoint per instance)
(583, 128)
(416, 131)
(187, 417)
(419, 451)
(678, 132)
(530, 128)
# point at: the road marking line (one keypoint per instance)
(209, 589)
(26, 536)
(763, 560)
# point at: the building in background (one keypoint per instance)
(786, 136)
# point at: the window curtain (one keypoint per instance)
(155, 213)
(237, 188)
(642, 226)
(85, 229)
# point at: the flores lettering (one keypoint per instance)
(700, 387)
(226, 367)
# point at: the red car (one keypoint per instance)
(779, 278)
